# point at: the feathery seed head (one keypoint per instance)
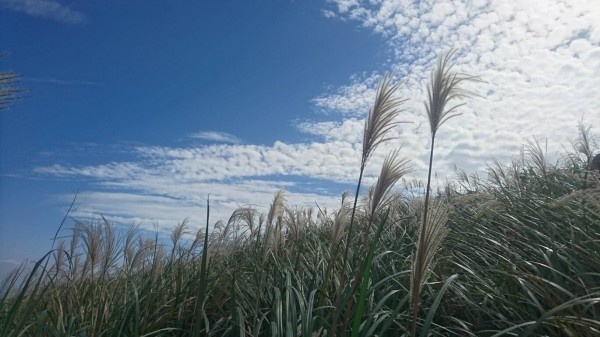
(392, 170)
(431, 237)
(445, 85)
(381, 117)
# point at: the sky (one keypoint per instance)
(143, 108)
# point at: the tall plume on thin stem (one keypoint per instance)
(585, 144)
(392, 170)
(381, 119)
(445, 86)
(179, 230)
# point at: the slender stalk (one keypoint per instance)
(338, 299)
(421, 245)
(379, 122)
(203, 272)
(350, 226)
(444, 86)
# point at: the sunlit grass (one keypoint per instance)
(514, 253)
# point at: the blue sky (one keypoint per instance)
(145, 107)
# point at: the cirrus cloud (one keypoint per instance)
(216, 136)
(47, 9)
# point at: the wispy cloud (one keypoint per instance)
(47, 9)
(164, 211)
(333, 161)
(349, 130)
(11, 262)
(216, 136)
(60, 81)
(166, 184)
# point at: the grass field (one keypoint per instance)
(515, 253)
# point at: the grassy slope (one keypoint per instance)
(525, 246)
(517, 253)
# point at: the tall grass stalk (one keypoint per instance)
(392, 170)
(199, 306)
(520, 256)
(381, 119)
(444, 87)
(525, 251)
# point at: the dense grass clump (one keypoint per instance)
(516, 253)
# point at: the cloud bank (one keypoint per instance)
(540, 61)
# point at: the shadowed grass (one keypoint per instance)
(520, 256)
(526, 254)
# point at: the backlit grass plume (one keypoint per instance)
(432, 236)
(340, 220)
(393, 169)
(381, 119)
(445, 86)
(273, 235)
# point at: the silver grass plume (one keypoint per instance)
(431, 236)
(198, 239)
(445, 86)
(242, 223)
(392, 170)
(179, 230)
(381, 117)
(129, 249)
(294, 221)
(340, 221)
(537, 155)
(273, 230)
(584, 142)
(585, 145)
(277, 206)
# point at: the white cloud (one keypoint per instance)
(349, 130)
(166, 210)
(216, 136)
(11, 262)
(166, 184)
(540, 61)
(353, 99)
(330, 160)
(47, 9)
